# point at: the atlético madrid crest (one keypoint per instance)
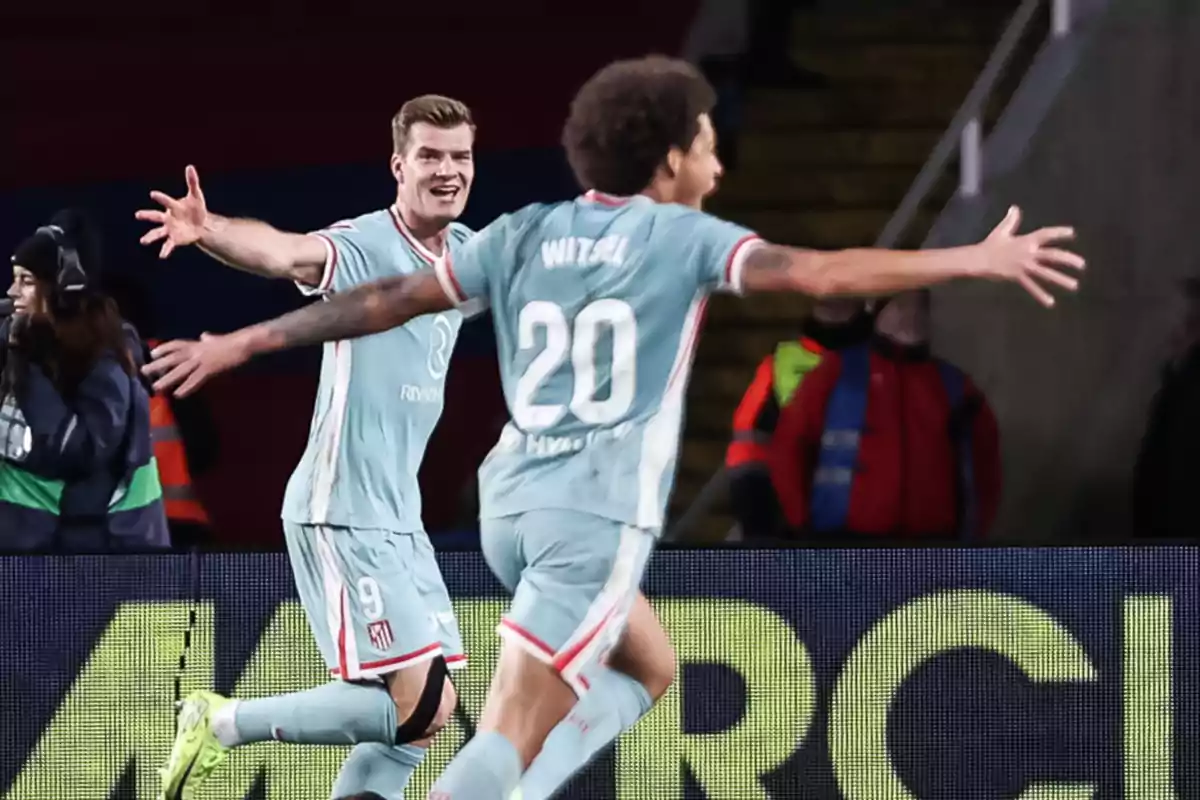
(381, 634)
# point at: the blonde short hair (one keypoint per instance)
(432, 109)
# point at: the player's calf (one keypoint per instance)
(422, 701)
(425, 699)
(527, 699)
(639, 671)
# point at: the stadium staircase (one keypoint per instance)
(825, 168)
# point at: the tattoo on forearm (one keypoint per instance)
(361, 311)
(767, 258)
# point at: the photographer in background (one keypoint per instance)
(76, 467)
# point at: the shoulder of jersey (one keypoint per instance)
(513, 222)
(460, 233)
(673, 211)
(533, 213)
(363, 222)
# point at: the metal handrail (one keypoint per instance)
(964, 135)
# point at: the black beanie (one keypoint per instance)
(39, 252)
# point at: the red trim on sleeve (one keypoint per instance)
(737, 248)
(327, 278)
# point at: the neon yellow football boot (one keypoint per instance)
(196, 752)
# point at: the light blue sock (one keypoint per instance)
(373, 767)
(614, 704)
(487, 768)
(336, 713)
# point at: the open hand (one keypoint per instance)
(1030, 259)
(182, 366)
(181, 222)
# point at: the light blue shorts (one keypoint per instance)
(574, 578)
(375, 600)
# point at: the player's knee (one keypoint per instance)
(645, 652)
(654, 668)
(425, 706)
(441, 715)
(446, 709)
(660, 672)
(363, 796)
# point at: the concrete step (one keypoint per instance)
(709, 420)
(829, 230)
(892, 62)
(688, 483)
(930, 103)
(700, 458)
(740, 344)
(727, 315)
(759, 187)
(970, 21)
(704, 451)
(722, 384)
(832, 147)
(713, 527)
(703, 458)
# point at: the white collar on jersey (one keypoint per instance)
(605, 199)
(412, 240)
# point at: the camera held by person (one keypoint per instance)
(77, 472)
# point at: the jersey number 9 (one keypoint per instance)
(579, 342)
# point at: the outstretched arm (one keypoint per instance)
(370, 308)
(183, 366)
(256, 247)
(776, 268)
(245, 244)
(1029, 260)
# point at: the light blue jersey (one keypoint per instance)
(380, 396)
(597, 305)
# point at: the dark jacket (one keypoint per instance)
(1164, 489)
(77, 474)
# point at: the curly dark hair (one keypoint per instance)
(628, 116)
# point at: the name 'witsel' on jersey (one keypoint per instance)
(597, 305)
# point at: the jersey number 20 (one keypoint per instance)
(578, 342)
